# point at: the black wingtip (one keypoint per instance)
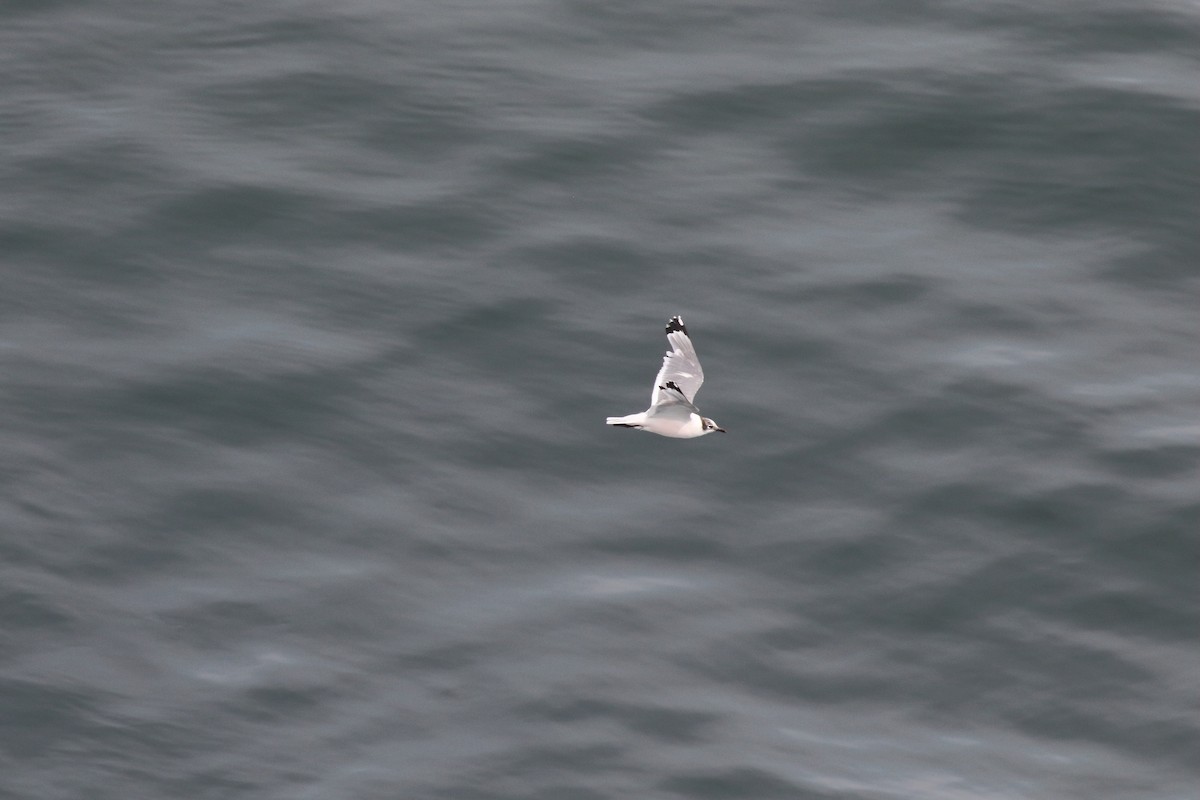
(672, 385)
(676, 324)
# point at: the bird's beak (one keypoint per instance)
(722, 430)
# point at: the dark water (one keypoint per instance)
(312, 314)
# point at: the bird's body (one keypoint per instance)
(671, 412)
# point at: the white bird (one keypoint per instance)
(671, 412)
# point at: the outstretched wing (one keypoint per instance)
(680, 366)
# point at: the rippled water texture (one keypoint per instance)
(312, 315)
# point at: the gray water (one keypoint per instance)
(312, 314)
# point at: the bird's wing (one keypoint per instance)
(671, 405)
(680, 366)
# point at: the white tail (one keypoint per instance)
(629, 420)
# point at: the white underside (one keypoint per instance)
(673, 423)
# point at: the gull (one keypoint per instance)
(671, 412)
